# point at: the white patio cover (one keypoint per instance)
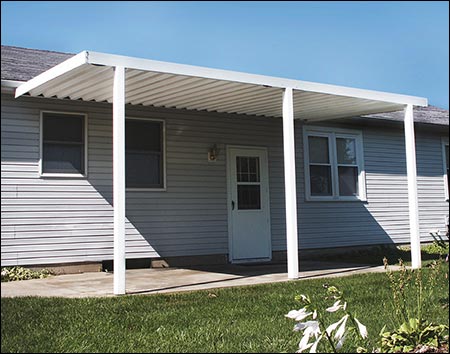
(120, 80)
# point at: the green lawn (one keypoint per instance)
(244, 319)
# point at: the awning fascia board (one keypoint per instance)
(113, 60)
(58, 70)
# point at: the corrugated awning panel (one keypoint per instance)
(95, 83)
(319, 106)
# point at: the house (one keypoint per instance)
(106, 157)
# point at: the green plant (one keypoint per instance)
(21, 273)
(412, 334)
(334, 334)
(410, 294)
(439, 245)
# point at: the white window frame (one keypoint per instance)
(41, 146)
(444, 165)
(164, 176)
(332, 134)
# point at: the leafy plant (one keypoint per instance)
(21, 273)
(412, 334)
(410, 293)
(439, 245)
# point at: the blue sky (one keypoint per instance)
(400, 47)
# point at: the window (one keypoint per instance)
(144, 153)
(445, 155)
(334, 167)
(63, 144)
(248, 183)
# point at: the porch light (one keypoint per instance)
(212, 153)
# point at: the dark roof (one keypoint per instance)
(427, 115)
(22, 64)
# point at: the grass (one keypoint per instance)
(241, 319)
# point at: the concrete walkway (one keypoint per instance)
(151, 281)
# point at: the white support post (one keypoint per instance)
(290, 184)
(411, 171)
(119, 179)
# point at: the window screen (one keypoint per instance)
(63, 143)
(144, 163)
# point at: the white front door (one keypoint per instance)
(248, 205)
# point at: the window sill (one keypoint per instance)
(62, 175)
(145, 189)
(318, 199)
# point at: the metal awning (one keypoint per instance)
(89, 76)
(98, 77)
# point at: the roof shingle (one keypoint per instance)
(427, 115)
(22, 64)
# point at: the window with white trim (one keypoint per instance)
(144, 153)
(445, 155)
(334, 166)
(63, 144)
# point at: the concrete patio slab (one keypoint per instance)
(152, 281)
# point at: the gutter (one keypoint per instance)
(9, 86)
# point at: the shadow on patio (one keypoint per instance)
(167, 280)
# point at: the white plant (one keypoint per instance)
(334, 333)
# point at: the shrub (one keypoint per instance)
(410, 294)
(21, 273)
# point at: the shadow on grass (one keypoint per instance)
(375, 255)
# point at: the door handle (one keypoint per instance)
(232, 205)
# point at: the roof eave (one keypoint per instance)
(9, 86)
(58, 70)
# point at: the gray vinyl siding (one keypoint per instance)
(384, 218)
(430, 168)
(59, 220)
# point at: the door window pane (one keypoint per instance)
(320, 177)
(249, 197)
(348, 181)
(247, 169)
(318, 149)
(346, 151)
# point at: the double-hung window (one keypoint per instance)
(63, 144)
(144, 154)
(445, 155)
(334, 167)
